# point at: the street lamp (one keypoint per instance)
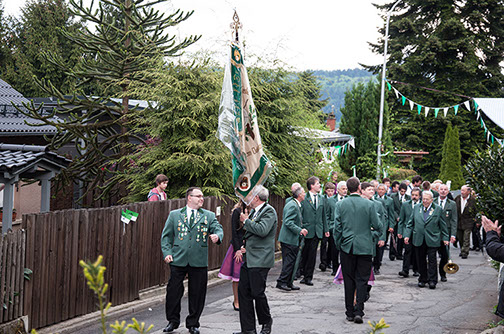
(382, 97)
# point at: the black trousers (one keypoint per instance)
(329, 254)
(198, 279)
(289, 254)
(409, 258)
(356, 270)
(427, 269)
(476, 236)
(393, 252)
(377, 260)
(308, 257)
(443, 253)
(251, 289)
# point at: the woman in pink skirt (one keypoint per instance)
(231, 265)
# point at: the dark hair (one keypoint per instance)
(365, 185)
(311, 181)
(395, 183)
(353, 184)
(416, 189)
(160, 179)
(426, 185)
(416, 179)
(190, 190)
(329, 185)
(385, 179)
(403, 186)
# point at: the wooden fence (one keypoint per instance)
(56, 241)
(12, 258)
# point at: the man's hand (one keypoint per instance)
(168, 258)
(304, 232)
(244, 215)
(399, 236)
(238, 256)
(489, 226)
(406, 241)
(327, 234)
(381, 243)
(453, 239)
(214, 238)
(243, 250)
(446, 243)
(391, 230)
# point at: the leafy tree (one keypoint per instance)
(128, 50)
(450, 46)
(38, 30)
(360, 118)
(451, 168)
(484, 175)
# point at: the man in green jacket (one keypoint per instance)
(451, 219)
(427, 229)
(290, 232)
(355, 219)
(313, 209)
(184, 243)
(388, 204)
(260, 230)
(409, 252)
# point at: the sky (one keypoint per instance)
(315, 34)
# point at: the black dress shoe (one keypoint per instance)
(432, 285)
(376, 271)
(392, 258)
(403, 274)
(421, 284)
(294, 288)
(358, 319)
(350, 318)
(322, 267)
(283, 287)
(400, 258)
(464, 256)
(170, 327)
(443, 279)
(266, 328)
(416, 274)
(194, 330)
(306, 281)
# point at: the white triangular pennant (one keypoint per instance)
(396, 93)
(478, 115)
(411, 104)
(426, 111)
(467, 105)
(445, 111)
(351, 142)
(488, 135)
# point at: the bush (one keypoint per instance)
(401, 174)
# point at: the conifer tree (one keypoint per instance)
(451, 168)
(454, 47)
(128, 47)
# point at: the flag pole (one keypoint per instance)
(235, 26)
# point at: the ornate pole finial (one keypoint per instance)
(235, 26)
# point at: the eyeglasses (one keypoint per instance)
(199, 196)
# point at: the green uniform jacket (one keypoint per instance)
(354, 225)
(331, 203)
(451, 217)
(189, 244)
(314, 220)
(380, 211)
(404, 216)
(260, 238)
(291, 224)
(388, 203)
(433, 230)
(397, 203)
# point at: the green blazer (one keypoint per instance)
(433, 230)
(398, 203)
(314, 220)
(404, 216)
(388, 204)
(330, 204)
(189, 244)
(380, 211)
(260, 238)
(451, 217)
(291, 224)
(354, 223)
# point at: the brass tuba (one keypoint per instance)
(450, 267)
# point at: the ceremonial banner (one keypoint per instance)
(239, 131)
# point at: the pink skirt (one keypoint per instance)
(338, 279)
(230, 269)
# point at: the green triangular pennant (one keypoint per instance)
(389, 86)
(492, 138)
(475, 105)
(403, 98)
(125, 217)
(419, 107)
(436, 110)
(456, 109)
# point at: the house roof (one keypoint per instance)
(17, 159)
(323, 135)
(9, 95)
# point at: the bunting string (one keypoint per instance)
(466, 104)
(330, 153)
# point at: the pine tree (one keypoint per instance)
(451, 168)
(128, 51)
(451, 46)
(360, 118)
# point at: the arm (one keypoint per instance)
(444, 228)
(325, 227)
(494, 247)
(262, 226)
(409, 226)
(454, 221)
(235, 224)
(337, 231)
(214, 228)
(167, 237)
(289, 221)
(402, 221)
(392, 216)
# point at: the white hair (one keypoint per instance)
(262, 193)
(428, 192)
(341, 184)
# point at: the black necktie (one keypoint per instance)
(193, 218)
(315, 200)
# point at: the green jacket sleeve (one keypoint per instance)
(409, 225)
(263, 226)
(402, 220)
(216, 228)
(444, 227)
(167, 237)
(289, 221)
(337, 227)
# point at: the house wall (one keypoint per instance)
(27, 198)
